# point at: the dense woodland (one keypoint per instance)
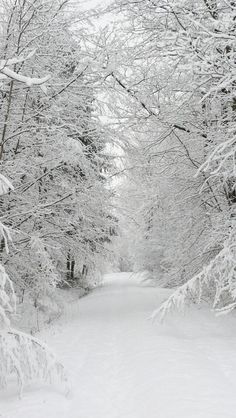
(117, 148)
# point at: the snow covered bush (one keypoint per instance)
(27, 359)
(216, 281)
(21, 355)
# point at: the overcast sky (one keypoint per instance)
(90, 4)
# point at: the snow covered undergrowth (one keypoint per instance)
(123, 366)
(50, 308)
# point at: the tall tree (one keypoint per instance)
(51, 148)
(21, 355)
(173, 80)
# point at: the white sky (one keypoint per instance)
(90, 4)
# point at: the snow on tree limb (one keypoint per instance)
(7, 299)
(16, 60)
(5, 185)
(6, 72)
(29, 81)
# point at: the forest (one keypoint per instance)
(117, 154)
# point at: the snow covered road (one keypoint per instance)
(123, 366)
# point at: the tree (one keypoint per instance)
(173, 81)
(54, 143)
(21, 355)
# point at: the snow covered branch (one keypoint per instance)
(6, 72)
(27, 358)
(218, 277)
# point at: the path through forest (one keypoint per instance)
(123, 366)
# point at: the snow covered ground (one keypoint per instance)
(123, 366)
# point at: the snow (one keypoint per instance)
(6, 72)
(122, 365)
